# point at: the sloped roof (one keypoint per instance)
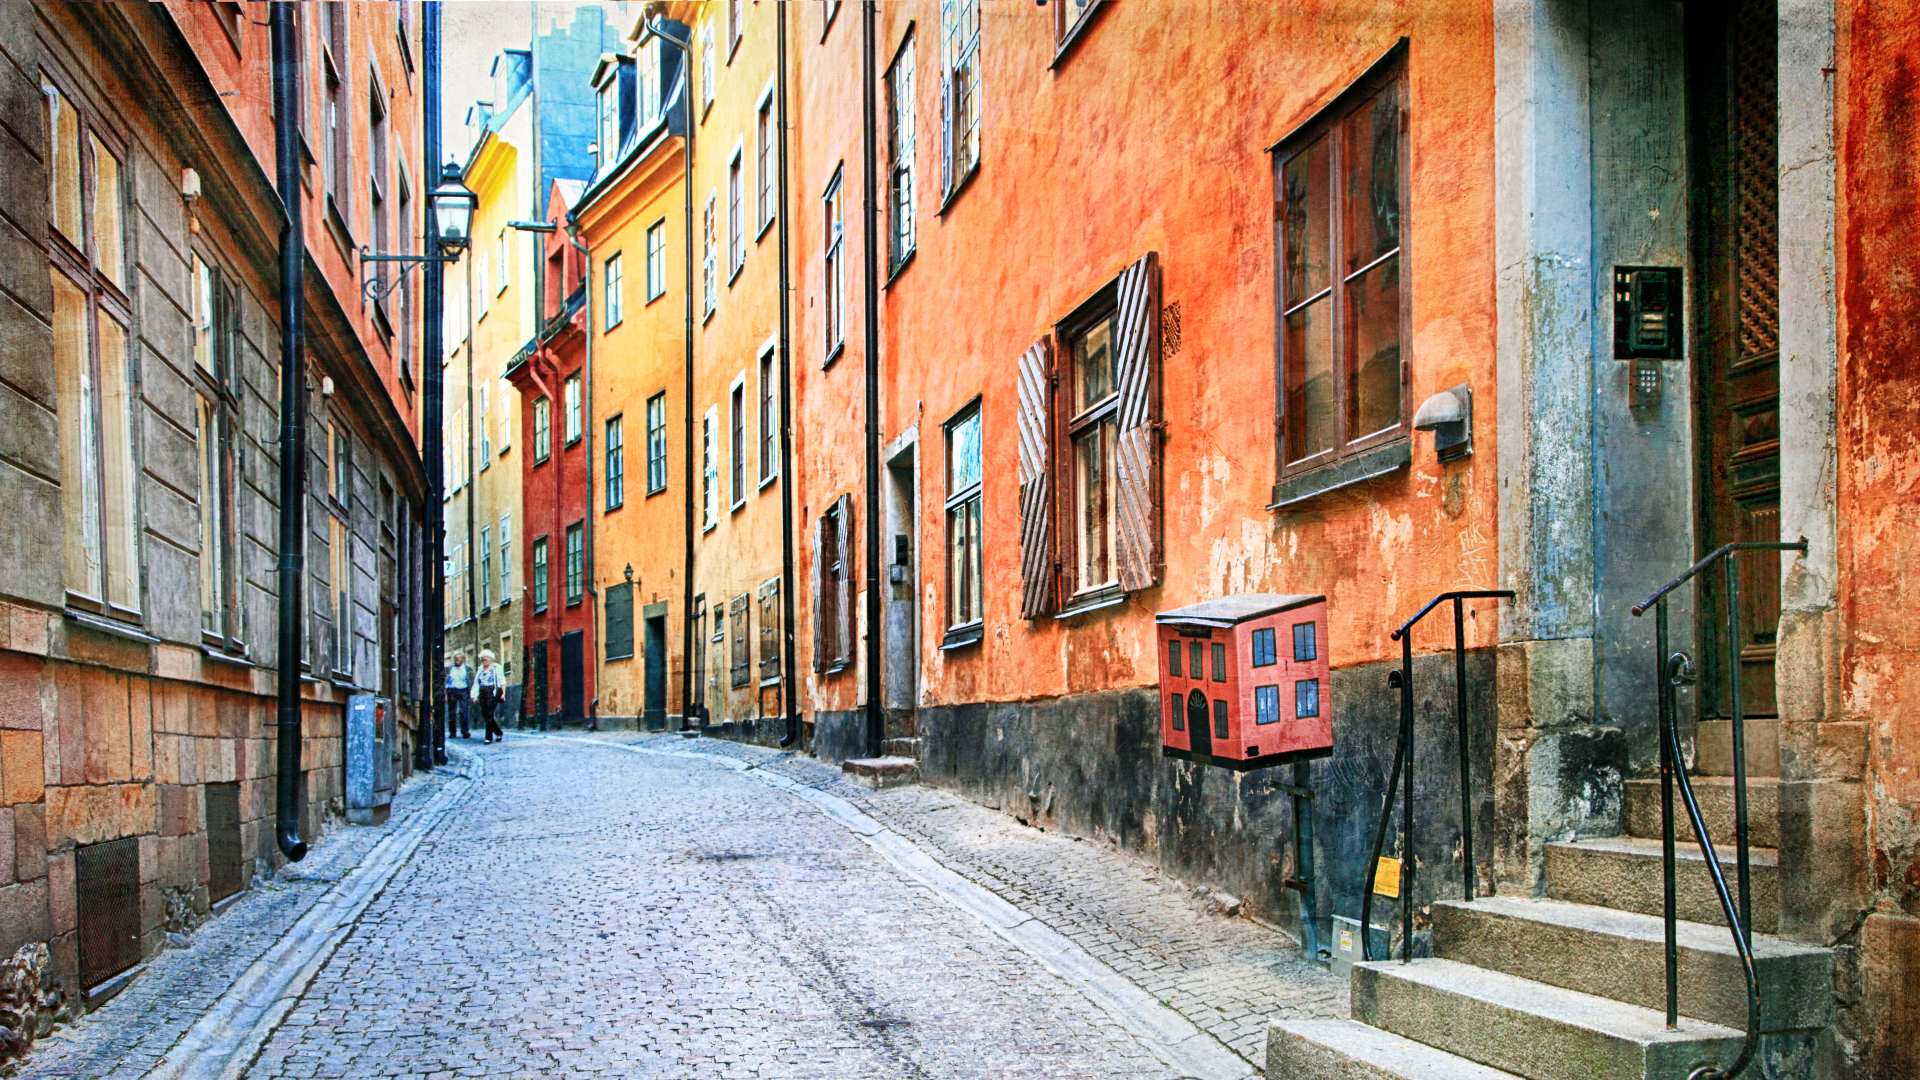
(1238, 608)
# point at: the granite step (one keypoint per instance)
(1350, 1050)
(1716, 806)
(1623, 872)
(1713, 748)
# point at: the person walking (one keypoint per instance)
(487, 689)
(459, 695)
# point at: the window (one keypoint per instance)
(1068, 18)
(657, 443)
(87, 246)
(611, 278)
(1098, 440)
(542, 429)
(619, 620)
(657, 260)
(1266, 704)
(571, 390)
(708, 253)
(706, 68)
(835, 281)
(736, 228)
(833, 589)
(770, 637)
(900, 143)
(699, 650)
(506, 398)
(333, 59)
(763, 157)
(769, 420)
(1173, 658)
(733, 28)
(407, 327)
(1305, 647)
(215, 330)
(737, 464)
(483, 295)
(1306, 698)
(1090, 432)
(486, 430)
(1196, 660)
(486, 567)
(377, 180)
(741, 667)
(709, 471)
(959, 92)
(648, 76)
(506, 560)
(576, 563)
(609, 106)
(1343, 208)
(828, 10)
(1177, 707)
(1264, 653)
(340, 554)
(964, 567)
(616, 466)
(1219, 719)
(540, 574)
(1219, 662)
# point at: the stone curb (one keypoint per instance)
(223, 1043)
(1188, 1049)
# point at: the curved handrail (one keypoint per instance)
(1710, 557)
(1675, 669)
(1402, 773)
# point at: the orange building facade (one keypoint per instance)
(137, 765)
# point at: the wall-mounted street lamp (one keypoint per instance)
(452, 203)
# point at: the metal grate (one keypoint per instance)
(225, 865)
(1755, 135)
(107, 896)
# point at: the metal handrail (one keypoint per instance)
(1402, 773)
(1676, 668)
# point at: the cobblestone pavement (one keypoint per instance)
(589, 912)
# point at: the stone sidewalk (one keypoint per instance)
(1228, 976)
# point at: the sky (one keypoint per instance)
(471, 33)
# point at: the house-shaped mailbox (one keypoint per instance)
(1243, 680)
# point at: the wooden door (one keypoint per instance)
(1736, 351)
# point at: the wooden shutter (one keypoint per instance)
(1036, 480)
(1137, 438)
(847, 616)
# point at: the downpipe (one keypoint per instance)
(876, 715)
(293, 435)
(789, 672)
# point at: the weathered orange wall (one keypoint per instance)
(1878, 428)
(1152, 135)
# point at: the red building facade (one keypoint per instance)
(557, 481)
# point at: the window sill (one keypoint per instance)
(1358, 468)
(835, 668)
(115, 627)
(738, 505)
(707, 317)
(900, 267)
(709, 527)
(340, 680)
(1093, 600)
(614, 325)
(762, 234)
(342, 236)
(733, 275)
(221, 656)
(833, 354)
(962, 637)
(767, 481)
(650, 300)
(959, 186)
(616, 507)
(1073, 36)
(656, 491)
(576, 603)
(623, 656)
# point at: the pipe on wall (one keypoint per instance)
(293, 432)
(870, 245)
(429, 748)
(789, 672)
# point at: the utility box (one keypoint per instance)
(1347, 946)
(372, 733)
(1243, 680)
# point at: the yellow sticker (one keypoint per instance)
(1386, 880)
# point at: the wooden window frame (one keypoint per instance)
(1348, 460)
(505, 534)
(710, 258)
(736, 223)
(542, 429)
(486, 567)
(574, 416)
(902, 142)
(656, 260)
(960, 81)
(737, 442)
(834, 280)
(216, 386)
(657, 443)
(612, 282)
(709, 468)
(833, 568)
(616, 483)
(101, 296)
(769, 417)
(966, 631)
(575, 540)
(764, 155)
(1102, 306)
(541, 572)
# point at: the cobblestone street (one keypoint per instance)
(653, 906)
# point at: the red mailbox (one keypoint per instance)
(1243, 680)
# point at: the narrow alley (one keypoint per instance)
(655, 906)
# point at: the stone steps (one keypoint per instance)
(1529, 1028)
(1620, 956)
(1623, 872)
(1713, 748)
(1350, 1050)
(1715, 794)
(902, 747)
(881, 772)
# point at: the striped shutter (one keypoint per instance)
(1137, 438)
(844, 652)
(1036, 479)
